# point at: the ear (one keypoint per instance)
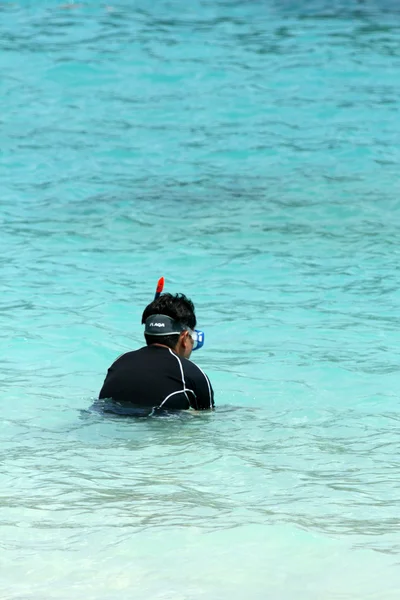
(184, 338)
(182, 344)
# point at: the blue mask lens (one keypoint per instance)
(198, 339)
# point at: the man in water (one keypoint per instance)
(160, 375)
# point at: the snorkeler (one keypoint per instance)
(160, 374)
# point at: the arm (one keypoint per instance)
(203, 389)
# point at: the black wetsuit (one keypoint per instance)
(154, 377)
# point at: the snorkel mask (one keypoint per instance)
(164, 325)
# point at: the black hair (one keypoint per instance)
(178, 307)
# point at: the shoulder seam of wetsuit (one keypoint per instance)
(182, 374)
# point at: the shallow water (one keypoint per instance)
(249, 153)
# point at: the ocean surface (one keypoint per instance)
(249, 152)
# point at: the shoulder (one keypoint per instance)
(192, 370)
(130, 356)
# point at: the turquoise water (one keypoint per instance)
(249, 152)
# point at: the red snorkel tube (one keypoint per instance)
(159, 288)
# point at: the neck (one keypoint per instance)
(168, 347)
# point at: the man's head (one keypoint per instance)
(181, 310)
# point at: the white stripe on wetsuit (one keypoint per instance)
(173, 394)
(182, 375)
